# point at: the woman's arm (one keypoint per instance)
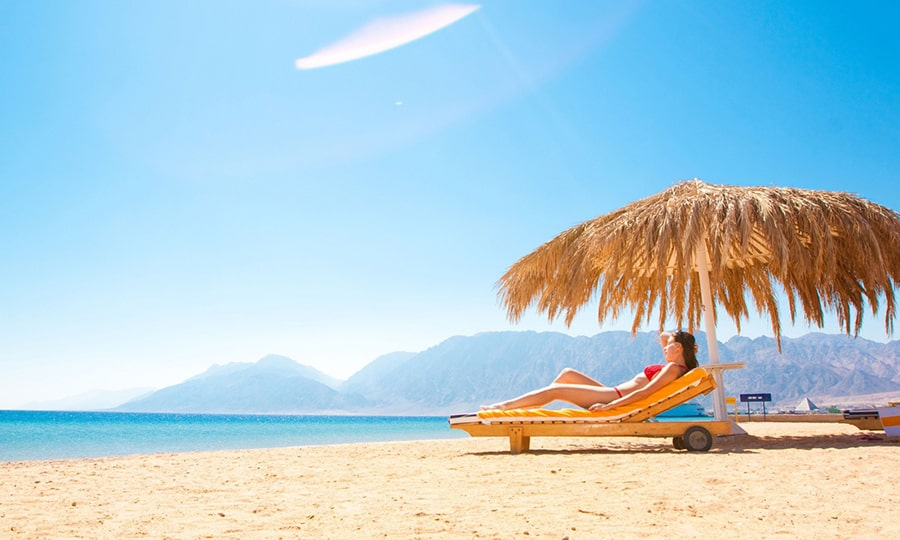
(664, 338)
(668, 374)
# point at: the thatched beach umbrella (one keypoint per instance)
(696, 246)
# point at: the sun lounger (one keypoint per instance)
(863, 419)
(874, 419)
(890, 421)
(633, 420)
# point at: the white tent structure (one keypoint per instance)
(806, 405)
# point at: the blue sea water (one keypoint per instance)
(40, 435)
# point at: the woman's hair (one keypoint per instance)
(688, 346)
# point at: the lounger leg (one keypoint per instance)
(518, 442)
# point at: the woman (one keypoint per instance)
(679, 349)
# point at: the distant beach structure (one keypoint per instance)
(806, 405)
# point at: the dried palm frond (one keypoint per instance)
(827, 251)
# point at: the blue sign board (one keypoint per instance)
(746, 398)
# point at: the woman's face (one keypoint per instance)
(672, 350)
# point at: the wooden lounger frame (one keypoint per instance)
(863, 419)
(639, 422)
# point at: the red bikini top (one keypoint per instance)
(652, 370)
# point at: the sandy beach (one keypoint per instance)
(783, 480)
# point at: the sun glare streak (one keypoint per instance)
(386, 33)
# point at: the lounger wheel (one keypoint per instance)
(678, 442)
(697, 439)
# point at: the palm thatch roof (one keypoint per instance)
(827, 251)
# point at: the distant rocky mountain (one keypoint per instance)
(275, 384)
(463, 372)
(819, 366)
(273, 363)
(370, 381)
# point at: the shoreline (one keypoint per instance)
(815, 418)
(814, 480)
(51, 435)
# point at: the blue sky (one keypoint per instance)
(174, 193)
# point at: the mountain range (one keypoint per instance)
(464, 371)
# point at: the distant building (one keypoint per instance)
(806, 405)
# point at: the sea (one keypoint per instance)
(47, 435)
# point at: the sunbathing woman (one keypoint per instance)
(679, 349)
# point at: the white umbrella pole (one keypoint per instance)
(712, 346)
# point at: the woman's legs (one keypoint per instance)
(582, 395)
(572, 376)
